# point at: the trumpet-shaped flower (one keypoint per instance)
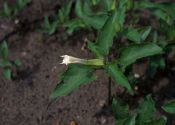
(70, 59)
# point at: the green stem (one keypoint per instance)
(95, 62)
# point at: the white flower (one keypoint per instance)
(70, 59)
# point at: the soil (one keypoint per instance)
(25, 98)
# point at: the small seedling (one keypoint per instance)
(64, 12)
(49, 27)
(4, 61)
(11, 11)
(60, 19)
(7, 11)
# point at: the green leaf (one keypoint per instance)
(95, 2)
(112, 26)
(146, 110)
(169, 107)
(107, 4)
(22, 3)
(73, 25)
(7, 10)
(120, 109)
(120, 121)
(7, 73)
(154, 37)
(78, 8)
(53, 27)
(144, 32)
(105, 37)
(131, 120)
(117, 75)
(75, 76)
(134, 52)
(63, 13)
(47, 24)
(121, 113)
(50, 27)
(133, 35)
(164, 11)
(4, 51)
(92, 47)
(161, 121)
(155, 63)
(89, 19)
(18, 62)
(96, 21)
(137, 35)
(5, 63)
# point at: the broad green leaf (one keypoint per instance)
(107, 4)
(131, 120)
(117, 75)
(7, 73)
(144, 32)
(90, 19)
(133, 35)
(155, 63)
(4, 51)
(169, 107)
(96, 21)
(164, 11)
(120, 109)
(75, 76)
(137, 35)
(105, 37)
(112, 26)
(121, 113)
(120, 121)
(130, 4)
(161, 15)
(146, 110)
(161, 121)
(92, 47)
(134, 52)
(87, 8)
(78, 8)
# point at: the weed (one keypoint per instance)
(11, 11)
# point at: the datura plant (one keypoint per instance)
(112, 25)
